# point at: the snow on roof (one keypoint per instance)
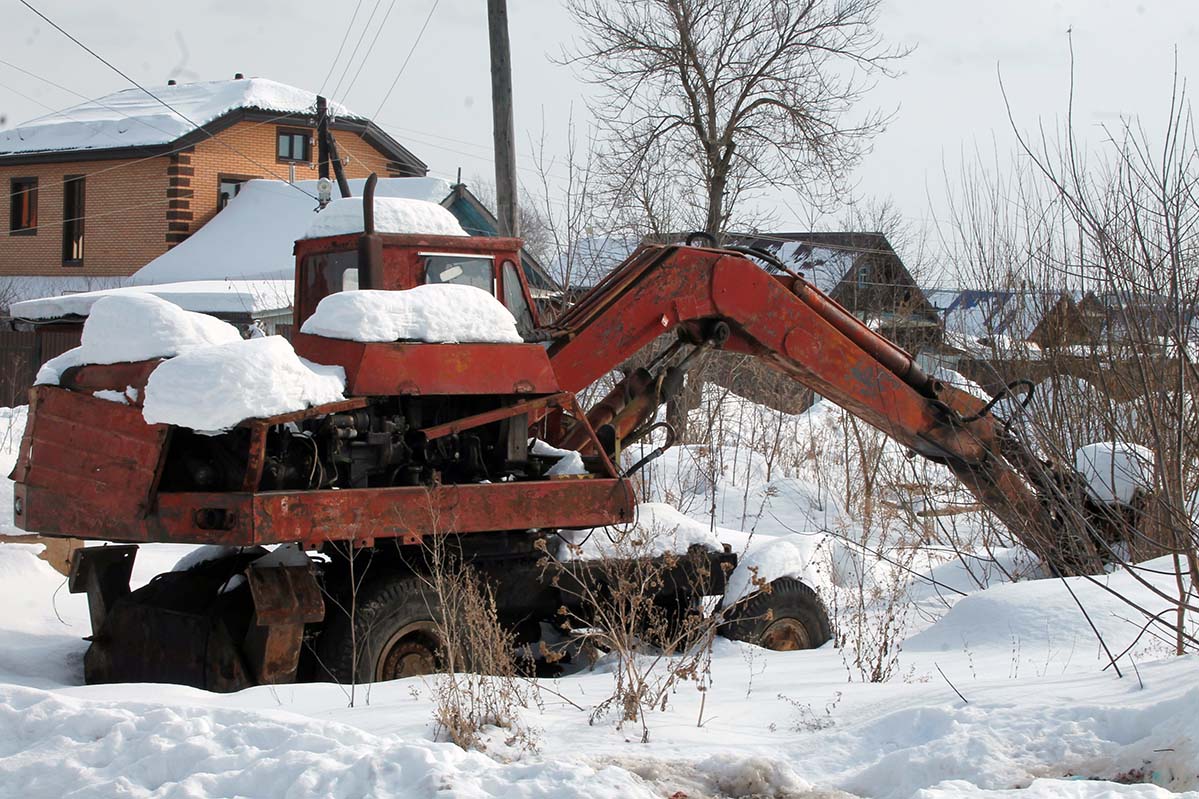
(203, 296)
(822, 266)
(590, 258)
(132, 118)
(253, 236)
(392, 215)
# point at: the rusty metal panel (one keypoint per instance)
(77, 478)
(285, 594)
(387, 369)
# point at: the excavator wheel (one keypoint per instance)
(788, 617)
(395, 631)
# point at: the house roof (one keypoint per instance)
(131, 122)
(589, 258)
(253, 236)
(823, 258)
(253, 297)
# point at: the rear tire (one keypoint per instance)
(394, 633)
(790, 617)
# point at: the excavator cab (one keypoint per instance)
(392, 262)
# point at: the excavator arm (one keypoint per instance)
(721, 298)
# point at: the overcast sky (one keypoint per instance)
(947, 100)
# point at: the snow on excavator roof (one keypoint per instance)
(436, 313)
(392, 215)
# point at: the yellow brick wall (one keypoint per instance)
(257, 140)
(125, 206)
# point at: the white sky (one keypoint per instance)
(947, 99)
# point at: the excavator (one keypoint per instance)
(432, 444)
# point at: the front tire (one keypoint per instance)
(789, 617)
(395, 633)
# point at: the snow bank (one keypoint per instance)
(439, 313)
(658, 529)
(1114, 470)
(392, 215)
(138, 327)
(214, 388)
(66, 746)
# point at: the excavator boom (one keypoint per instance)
(707, 293)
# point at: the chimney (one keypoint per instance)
(239, 76)
(171, 82)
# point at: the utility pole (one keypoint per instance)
(326, 148)
(502, 126)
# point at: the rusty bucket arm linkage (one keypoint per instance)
(800, 331)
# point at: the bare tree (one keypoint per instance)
(731, 96)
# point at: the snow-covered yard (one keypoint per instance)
(1038, 714)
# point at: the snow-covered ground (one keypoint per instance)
(999, 688)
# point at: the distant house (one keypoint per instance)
(1014, 323)
(96, 191)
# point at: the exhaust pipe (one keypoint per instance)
(370, 246)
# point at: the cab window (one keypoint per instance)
(327, 273)
(514, 298)
(467, 270)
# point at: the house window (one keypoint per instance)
(293, 145)
(72, 219)
(227, 188)
(863, 276)
(22, 219)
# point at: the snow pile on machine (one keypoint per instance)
(444, 313)
(137, 327)
(214, 388)
(212, 378)
(398, 215)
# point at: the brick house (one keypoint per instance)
(94, 192)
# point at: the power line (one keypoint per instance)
(155, 97)
(340, 48)
(362, 35)
(407, 58)
(370, 49)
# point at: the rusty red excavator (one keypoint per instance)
(432, 442)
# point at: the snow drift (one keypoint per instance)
(438, 313)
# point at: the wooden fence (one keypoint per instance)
(22, 353)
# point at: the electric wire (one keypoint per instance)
(155, 97)
(350, 61)
(370, 49)
(341, 47)
(407, 58)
